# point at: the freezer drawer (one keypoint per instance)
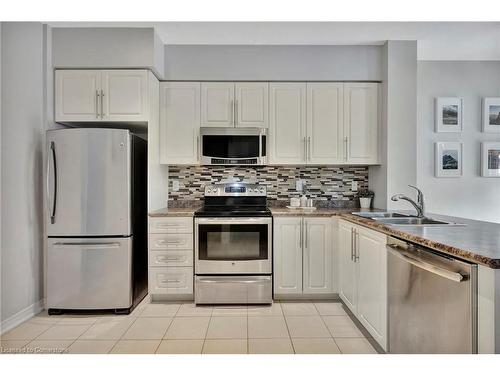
(233, 289)
(89, 273)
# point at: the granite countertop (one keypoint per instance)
(319, 211)
(174, 211)
(477, 241)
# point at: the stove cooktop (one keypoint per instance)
(225, 211)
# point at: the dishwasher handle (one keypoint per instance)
(440, 271)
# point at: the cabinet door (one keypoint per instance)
(125, 95)
(372, 283)
(251, 104)
(347, 266)
(76, 97)
(179, 122)
(318, 256)
(288, 255)
(217, 104)
(325, 127)
(361, 122)
(287, 133)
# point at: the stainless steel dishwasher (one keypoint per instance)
(432, 301)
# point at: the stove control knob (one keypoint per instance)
(215, 191)
(262, 190)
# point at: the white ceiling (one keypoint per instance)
(436, 40)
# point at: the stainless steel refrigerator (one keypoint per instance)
(96, 219)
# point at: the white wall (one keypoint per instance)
(470, 196)
(398, 126)
(107, 48)
(23, 116)
(267, 63)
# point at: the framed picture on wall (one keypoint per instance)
(449, 115)
(491, 115)
(448, 159)
(490, 159)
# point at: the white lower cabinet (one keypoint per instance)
(171, 256)
(363, 277)
(303, 255)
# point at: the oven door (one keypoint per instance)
(233, 245)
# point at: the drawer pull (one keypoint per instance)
(164, 258)
(160, 242)
(170, 281)
(166, 225)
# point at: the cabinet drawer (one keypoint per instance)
(171, 280)
(171, 241)
(171, 258)
(171, 225)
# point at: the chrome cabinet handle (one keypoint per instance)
(352, 244)
(231, 106)
(198, 148)
(165, 281)
(346, 141)
(168, 241)
(102, 104)
(356, 249)
(165, 258)
(236, 112)
(309, 147)
(305, 148)
(301, 235)
(97, 103)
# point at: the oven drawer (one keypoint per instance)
(171, 225)
(233, 289)
(171, 280)
(171, 258)
(170, 241)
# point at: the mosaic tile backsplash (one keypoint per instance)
(323, 183)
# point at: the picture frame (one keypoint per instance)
(491, 115)
(448, 159)
(448, 115)
(490, 159)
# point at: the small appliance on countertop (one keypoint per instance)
(233, 246)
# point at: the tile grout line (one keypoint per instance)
(330, 332)
(206, 332)
(288, 329)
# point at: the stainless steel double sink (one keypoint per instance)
(399, 219)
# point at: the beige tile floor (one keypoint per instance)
(304, 327)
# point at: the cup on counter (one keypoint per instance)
(294, 202)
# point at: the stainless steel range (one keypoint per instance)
(233, 246)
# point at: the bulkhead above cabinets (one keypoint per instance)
(92, 96)
(316, 123)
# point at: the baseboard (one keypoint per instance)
(21, 316)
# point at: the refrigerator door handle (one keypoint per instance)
(89, 244)
(54, 194)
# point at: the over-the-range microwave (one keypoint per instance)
(233, 146)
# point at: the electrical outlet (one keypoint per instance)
(354, 186)
(175, 185)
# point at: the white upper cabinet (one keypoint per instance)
(251, 104)
(325, 127)
(287, 274)
(179, 122)
(217, 104)
(124, 95)
(318, 256)
(77, 95)
(101, 96)
(287, 130)
(230, 104)
(361, 122)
